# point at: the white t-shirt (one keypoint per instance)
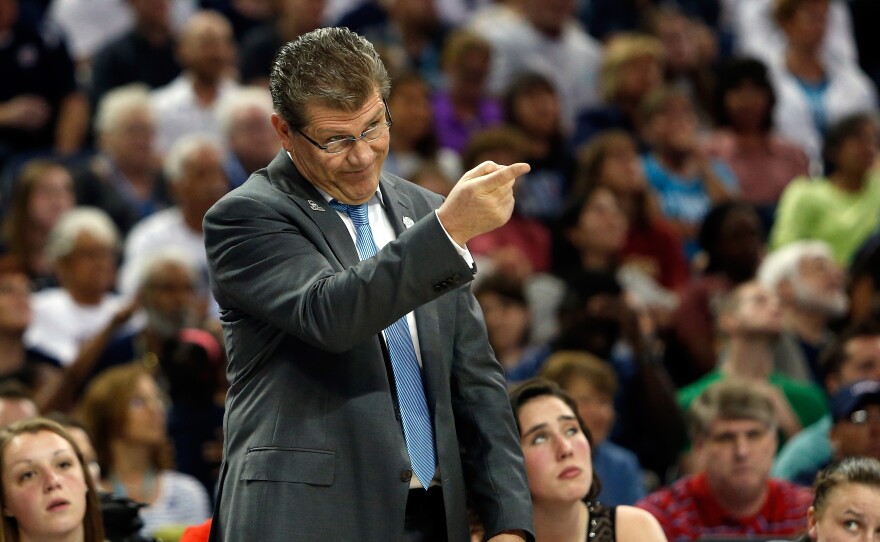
(60, 326)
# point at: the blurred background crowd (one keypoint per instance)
(703, 205)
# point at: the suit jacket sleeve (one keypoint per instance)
(491, 454)
(272, 262)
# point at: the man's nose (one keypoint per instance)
(742, 446)
(361, 151)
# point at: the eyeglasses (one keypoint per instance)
(344, 143)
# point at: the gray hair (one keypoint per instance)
(184, 150)
(241, 100)
(76, 222)
(156, 260)
(119, 102)
(331, 66)
(729, 399)
(783, 263)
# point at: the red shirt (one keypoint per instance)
(657, 249)
(686, 511)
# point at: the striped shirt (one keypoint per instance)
(687, 511)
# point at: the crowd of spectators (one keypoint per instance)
(702, 210)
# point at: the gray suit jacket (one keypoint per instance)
(314, 448)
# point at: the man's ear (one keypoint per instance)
(812, 521)
(284, 132)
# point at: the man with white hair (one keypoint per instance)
(188, 357)
(810, 288)
(83, 249)
(194, 172)
(124, 178)
(245, 122)
(187, 104)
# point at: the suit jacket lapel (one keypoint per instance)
(397, 205)
(284, 175)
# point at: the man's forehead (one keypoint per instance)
(862, 347)
(318, 109)
(736, 425)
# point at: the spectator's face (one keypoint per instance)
(674, 127)
(52, 196)
(169, 297)
(858, 435)
(203, 183)
(556, 451)
(740, 244)
(14, 410)
(638, 77)
(818, 286)
(15, 306)
(858, 152)
(252, 137)
(737, 455)
(595, 407)
(44, 486)
(748, 105)
(621, 169)
(548, 16)
(468, 75)
(851, 513)
(602, 226)
(536, 112)
(806, 27)
(862, 360)
(306, 13)
(145, 419)
(679, 37)
(351, 176)
(757, 312)
(152, 13)
(507, 321)
(420, 14)
(132, 142)
(208, 49)
(410, 105)
(89, 270)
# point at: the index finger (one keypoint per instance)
(504, 175)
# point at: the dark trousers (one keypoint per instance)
(425, 516)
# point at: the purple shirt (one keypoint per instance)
(454, 133)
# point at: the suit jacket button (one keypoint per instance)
(406, 475)
(456, 278)
(437, 287)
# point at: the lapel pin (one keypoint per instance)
(408, 222)
(316, 207)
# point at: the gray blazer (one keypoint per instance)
(314, 449)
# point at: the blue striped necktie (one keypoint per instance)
(417, 428)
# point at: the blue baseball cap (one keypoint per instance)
(854, 397)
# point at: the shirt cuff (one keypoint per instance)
(462, 251)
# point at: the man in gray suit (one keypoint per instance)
(365, 402)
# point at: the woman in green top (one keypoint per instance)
(844, 208)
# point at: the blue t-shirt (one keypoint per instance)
(685, 199)
(620, 474)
